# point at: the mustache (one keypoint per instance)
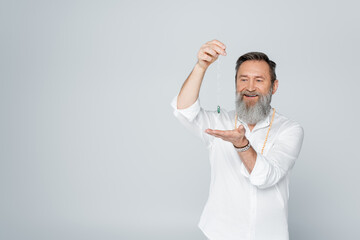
(245, 92)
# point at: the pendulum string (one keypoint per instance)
(218, 75)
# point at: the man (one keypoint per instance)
(252, 150)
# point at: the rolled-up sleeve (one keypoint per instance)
(270, 169)
(195, 119)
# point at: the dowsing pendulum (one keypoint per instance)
(218, 83)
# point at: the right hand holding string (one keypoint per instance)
(209, 52)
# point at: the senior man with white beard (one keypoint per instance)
(252, 150)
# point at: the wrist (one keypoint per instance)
(199, 67)
(243, 148)
(242, 143)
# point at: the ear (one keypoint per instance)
(275, 86)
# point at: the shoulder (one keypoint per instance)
(286, 124)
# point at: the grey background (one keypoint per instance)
(89, 146)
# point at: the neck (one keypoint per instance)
(251, 126)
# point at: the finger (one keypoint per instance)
(223, 134)
(213, 133)
(210, 51)
(216, 48)
(226, 133)
(219, 132)
(217, 42)
(241, 129)
(229, 139)
(210, 132)
(205, 57)
(219, 136)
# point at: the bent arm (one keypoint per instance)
(266, 171)
(207, 54)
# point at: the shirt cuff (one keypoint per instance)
(190, 112)
(259, 173)
(244, 171)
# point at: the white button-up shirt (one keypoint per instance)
(242, 205)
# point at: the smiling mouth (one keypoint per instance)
(250, 96)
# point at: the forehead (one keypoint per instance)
(254, 68)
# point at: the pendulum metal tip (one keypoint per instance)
(218, 109)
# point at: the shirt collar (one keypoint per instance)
(261, 124)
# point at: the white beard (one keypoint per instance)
(255, 113)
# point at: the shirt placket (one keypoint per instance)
(253, 200)
(253, 203)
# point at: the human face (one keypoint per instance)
(253, 79)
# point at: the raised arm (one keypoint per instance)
(190, 89)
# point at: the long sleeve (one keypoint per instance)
(196, 119)
(270, 169)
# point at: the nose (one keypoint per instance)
(251, 85)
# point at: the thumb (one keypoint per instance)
(240, 128)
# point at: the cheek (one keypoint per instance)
(240, 87)
(264, 89)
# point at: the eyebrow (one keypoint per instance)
(248, 76)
